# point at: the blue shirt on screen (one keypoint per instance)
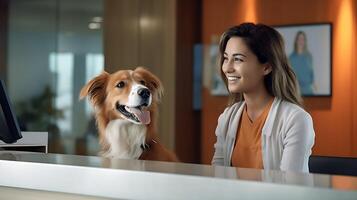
(302, 66)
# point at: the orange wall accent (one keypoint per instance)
(335, 118)
(343, 183)
(354, 68)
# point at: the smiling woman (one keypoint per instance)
(264, 125)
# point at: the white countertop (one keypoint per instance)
(137, 179)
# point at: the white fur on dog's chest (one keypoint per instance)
(125, 139)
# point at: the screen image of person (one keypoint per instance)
(301, 62)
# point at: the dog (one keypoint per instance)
(126, 111)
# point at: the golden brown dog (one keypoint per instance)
(126, 108)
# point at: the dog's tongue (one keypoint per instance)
(143, 116)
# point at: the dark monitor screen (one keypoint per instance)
(9, 127)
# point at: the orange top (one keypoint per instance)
(247, 151)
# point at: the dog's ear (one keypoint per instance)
(95, 89)
(158, 87)
(153, 82)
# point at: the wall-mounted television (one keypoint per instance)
(9, 128)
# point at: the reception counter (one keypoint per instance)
(90, 177)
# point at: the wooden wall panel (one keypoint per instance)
(334, 118)
(187, 121)
(157, 53)
(142, 33)
(160, 35)
(121, 34)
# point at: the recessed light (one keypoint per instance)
(93, 25)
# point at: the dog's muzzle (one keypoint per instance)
(136, 114)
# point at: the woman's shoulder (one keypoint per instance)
(295, 120)
(289, 109)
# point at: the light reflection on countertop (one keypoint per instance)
(269, 176)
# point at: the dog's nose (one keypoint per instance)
(144, 93)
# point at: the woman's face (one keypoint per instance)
(241, 67)
(301, 41)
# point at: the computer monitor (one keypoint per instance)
(9, 128)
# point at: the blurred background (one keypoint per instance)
(50, 48)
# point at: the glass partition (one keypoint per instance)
(54, 48)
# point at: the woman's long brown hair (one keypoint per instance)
(268, 45)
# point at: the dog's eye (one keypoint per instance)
(121, 84)
(142, 82)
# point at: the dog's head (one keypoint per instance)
(126, 94)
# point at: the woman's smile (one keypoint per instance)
(233, 79)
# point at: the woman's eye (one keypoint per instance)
(237, 60)
(225, 59)
(121, 84)
(142, 82)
